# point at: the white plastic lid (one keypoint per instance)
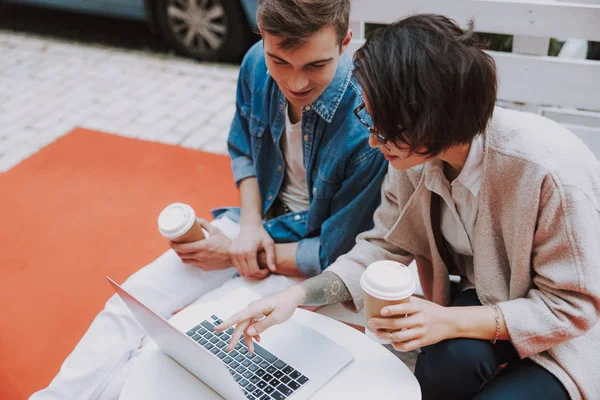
(175, 220)
(388, 280)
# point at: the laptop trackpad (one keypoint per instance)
(305, 349)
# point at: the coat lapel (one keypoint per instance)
(418, 232)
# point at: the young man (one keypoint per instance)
(510, 201)
(308, 179)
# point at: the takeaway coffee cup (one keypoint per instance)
(177, 222)
(385, 283)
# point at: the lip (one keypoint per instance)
(301, 95)
(389, 157)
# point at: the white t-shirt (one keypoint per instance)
(294, 192)
(460, 207)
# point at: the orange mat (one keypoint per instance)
(80, 209)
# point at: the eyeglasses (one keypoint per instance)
(379, 136)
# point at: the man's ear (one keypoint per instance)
(347, 40)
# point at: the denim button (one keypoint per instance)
(279, 168)
(306, 138)
(314, 191)
(270, 198)
(296, 218)
(307, 108)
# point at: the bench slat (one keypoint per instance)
(545, 18)
(548, 80)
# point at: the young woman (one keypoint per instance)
(510, 201)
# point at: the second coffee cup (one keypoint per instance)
(385, 283)
(177, 222)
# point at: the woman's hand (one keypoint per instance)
(208, 254)
(245, 247)
(261, 315)
(425, 323)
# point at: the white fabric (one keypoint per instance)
(460, 207)
(98, 366)
(294, 192)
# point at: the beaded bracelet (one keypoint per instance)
(497, 318)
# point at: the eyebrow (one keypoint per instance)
(310, 63)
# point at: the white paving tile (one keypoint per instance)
(16, 155)
(215, 146)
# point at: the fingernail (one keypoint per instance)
(385, 311)
(371, 324)
(251, 331)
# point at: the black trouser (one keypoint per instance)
(462, 369)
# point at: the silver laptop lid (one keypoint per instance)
(193, 357)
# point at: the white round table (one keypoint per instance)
(375, 372)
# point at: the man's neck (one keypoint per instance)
(294, 112)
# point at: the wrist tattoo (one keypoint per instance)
(326, 288)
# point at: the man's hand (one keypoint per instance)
(245, 247)
(209, 254)
(262, 314)
(426, 323)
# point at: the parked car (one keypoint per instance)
(212, 30)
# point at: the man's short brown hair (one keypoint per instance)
(296, 21)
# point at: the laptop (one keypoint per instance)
(293, 361)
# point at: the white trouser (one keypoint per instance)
(98, 366)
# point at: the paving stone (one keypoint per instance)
(49, 86)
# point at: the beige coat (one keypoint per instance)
(536, 243)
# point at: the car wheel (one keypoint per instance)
(211, 30)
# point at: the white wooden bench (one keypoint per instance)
(566, 90)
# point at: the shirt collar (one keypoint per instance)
(470, 176)
(327, 103)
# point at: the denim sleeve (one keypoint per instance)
(353, 207)
(308, 259)
(238, 142)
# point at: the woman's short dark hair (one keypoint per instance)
(296, 21)
(428, 84)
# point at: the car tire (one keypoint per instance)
(208, 30)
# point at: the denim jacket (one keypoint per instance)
(343, 173)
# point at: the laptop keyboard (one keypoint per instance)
(262, 376)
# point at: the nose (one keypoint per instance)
(373, 142)
(298, 82)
